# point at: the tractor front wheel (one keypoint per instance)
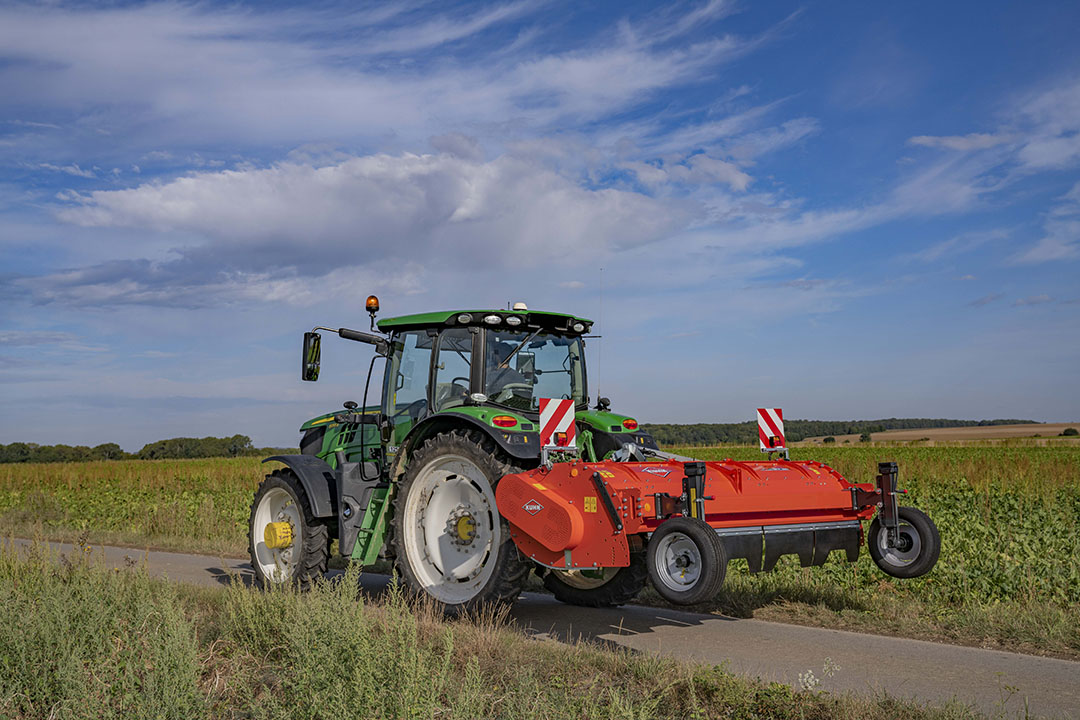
(686, 561)
(603, 587)
(918, 544)
(448, 537)
(286, 542)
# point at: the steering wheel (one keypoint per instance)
(507, 390)
(455, 390)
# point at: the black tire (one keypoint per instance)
(916, 528)
(621, 587)
(706, 553)
(510, 570)
(314, 547)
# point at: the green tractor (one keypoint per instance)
(413, 477)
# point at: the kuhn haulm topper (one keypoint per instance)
(484, 461)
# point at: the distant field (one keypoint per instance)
(960, 434)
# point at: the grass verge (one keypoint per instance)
(105, 644)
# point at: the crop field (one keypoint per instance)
(1009, 515)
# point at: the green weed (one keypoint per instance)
(79, 641)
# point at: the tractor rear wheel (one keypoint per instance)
(287, 544)
(448, 537)
(604, 587)
(686, 561)
(918, 544)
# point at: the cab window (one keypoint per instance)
(453, 368)
(406, 391)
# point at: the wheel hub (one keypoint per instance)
(461, 526)
(680, 565)
(278, 535)
(907, 548)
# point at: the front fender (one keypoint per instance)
(317, 477)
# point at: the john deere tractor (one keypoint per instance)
(413, 477)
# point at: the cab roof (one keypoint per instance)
(530, 319)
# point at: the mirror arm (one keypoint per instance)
(382, 346)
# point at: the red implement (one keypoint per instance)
(588, 515)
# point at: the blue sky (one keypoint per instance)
(848, 210)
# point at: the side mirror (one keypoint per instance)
(309, 370)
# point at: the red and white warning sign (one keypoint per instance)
(770, 425)
(557, 427)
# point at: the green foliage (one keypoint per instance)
(794, 430)
(865, 437)
(1009, 516)
(829, 440)
(77, 641)
(192, 504)
(114, 644)
(1070, 432)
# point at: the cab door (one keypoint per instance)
(406, 383)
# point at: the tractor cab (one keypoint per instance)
(481, 370)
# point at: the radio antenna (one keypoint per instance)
(599, 350)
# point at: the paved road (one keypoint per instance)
(773, 651)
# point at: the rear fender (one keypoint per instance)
(317, 477)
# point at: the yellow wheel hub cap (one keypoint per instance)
(466, 528)
(278, 535)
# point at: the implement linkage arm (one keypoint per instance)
(884, 496)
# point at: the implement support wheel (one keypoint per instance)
(686, 561)
(918, 544)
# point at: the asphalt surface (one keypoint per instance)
(995, 682)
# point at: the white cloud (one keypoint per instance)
(698, 169)
(302, 75)
(21, 338)
(958, 245)
(72, 169)
(761, 142)
(443, 29)
(1061, 232)
(961, 143)
(1034, 300)
(1060, 241)
(986, 299)
(267, 231)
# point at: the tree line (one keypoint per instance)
(746, 433)
(665, 434)
(170, 449)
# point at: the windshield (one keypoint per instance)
(543, 366)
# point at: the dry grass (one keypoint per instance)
(118, 644)
(1047, 432)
